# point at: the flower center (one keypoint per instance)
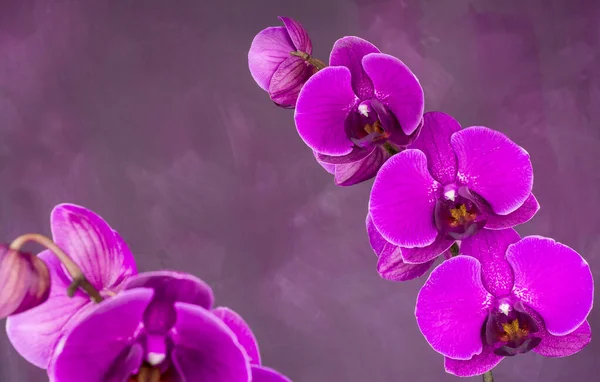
(376, 128)
(460, 215)
(149, 373)
(513, 331)
(364, 126)
(457, 214)
(157, 366)
(510, 330)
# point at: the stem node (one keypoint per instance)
(318, 64)
(79, 279)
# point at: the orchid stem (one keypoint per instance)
(390, 149)
(79, 280)
(454, 250)
(318, 64)
(488, 377)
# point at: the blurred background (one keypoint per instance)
(146, 113)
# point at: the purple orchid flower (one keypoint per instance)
(451, 183)
(161, 328)
(280, 61)
(104, 258)
(506, 296)
(356, 113)
(25, 281)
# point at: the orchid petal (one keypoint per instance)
(126, 364)
(205, 348)
(330, 168)
(269, 48)
(559, 346)
(349, 51)
(564, 346)
(287, 81)
(377, 241)
(241, 330)
(420, 255)
(169, 287)
(392, 267)
(25, 281)
(434, 141)
(452, 307)
(554, 280)
(352, 173)
(397, 88)
(35, 332)
(489, 248)
(297, 34)
(479, 364)
(403, 200)
(494, 167)
(521, 215)
(357, 154)
(99, 250)
(321, 110)
(88, 352)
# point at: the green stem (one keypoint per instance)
(318, 64)
(390, 148)
(454, 250)
(488, 377)
(79, 280)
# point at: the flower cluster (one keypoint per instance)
(439, 191)
(81, 311)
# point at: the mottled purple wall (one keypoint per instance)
(145, 112)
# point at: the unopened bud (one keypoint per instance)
(24, 281)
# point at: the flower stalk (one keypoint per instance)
(454, 250)
(318, 64)
(488, 377)
(79, 279)
(390, 148)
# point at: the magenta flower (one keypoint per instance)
(390, 264)
(506, 296)
(161, 328)
(356, 113)
(448, 186)
(106, 262)
(25, 281)
(280, 62)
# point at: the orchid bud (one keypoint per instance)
(280, 61)
(24, 281)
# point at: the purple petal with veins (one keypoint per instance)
(297, 34)
(103, 257)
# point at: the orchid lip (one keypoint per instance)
(148, 373)
(369, 124)
(458, 215)
(156, 364)
(510, 329)
(156, 348)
